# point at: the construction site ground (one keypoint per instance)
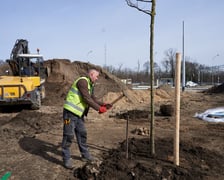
(30, 140)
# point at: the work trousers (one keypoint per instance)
(74, 125)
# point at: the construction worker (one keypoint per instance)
(78, 100)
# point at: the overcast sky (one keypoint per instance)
(112, 33)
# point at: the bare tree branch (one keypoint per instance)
(136, 6)
(143, 0)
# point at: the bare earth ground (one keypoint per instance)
(30, 140)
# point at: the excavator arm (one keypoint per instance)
(20, 47)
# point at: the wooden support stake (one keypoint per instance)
(177, 109)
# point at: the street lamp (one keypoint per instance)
(215, 56)
(214, 68)
(88, 53)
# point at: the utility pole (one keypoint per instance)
(183, 63)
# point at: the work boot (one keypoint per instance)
(87, 159)
(68, 164)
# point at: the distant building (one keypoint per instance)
(127, 81)
(168, 81)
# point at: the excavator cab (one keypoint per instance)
(31, 65)
(22, 63)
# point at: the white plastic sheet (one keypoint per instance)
(212, 115)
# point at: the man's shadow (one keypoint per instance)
(43, 149)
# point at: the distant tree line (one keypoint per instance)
(194, 71)
(4, 67)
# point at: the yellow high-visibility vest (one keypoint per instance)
(74, 101)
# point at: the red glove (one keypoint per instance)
(102, 109)
(107, 105)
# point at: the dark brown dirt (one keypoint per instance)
(30, 140)
(199, 163)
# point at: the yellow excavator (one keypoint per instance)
(24, 83)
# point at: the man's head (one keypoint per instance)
(93, 75)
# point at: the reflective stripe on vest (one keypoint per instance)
(75, 91)
(74, 101)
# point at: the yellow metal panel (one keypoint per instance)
(13, 92)
(16, 86)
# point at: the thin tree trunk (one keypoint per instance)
(152, 133)
(152, 14)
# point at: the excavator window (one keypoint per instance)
(29, 67)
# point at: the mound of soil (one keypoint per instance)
(136, 162)
(63, 72)
(25, 124)
(216, 89)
